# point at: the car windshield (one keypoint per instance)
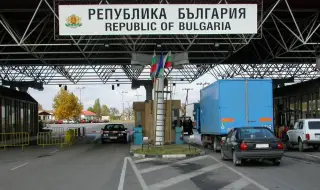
(255, 133)
(114, 127)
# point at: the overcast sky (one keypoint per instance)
(112, 98)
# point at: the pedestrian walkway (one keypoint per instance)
(204, 172)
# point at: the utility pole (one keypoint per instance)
(137, 95)
(122, 94)
(80, 88)
(186, 102)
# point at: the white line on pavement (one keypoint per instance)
(237, 185)
(123, 174)
(313, 156)
(138, 174)
(241, 174)
(144, 160)
(171, 164)
(18, 166)
(183, 177)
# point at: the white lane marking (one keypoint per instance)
(54, 151)
(19, 166)
(171, 164)
(144, 160)
(123, 174)
(241, 174)
(313, 156)
(183, 177)
(138, 174)
(236, 185)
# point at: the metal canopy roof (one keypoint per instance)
(31, 48)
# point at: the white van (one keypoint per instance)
(306, 132)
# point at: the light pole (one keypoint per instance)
(80, 88)
(203, 84)
(122, 95)
(185, 106)
(129, 110)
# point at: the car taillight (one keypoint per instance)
(243, 146)
(280, 145)
(308, 136)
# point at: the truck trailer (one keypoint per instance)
(231, 103)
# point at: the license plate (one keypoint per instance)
(113, 137)
(262, 145)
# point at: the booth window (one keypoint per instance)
(138, 118)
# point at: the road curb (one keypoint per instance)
(202, 152)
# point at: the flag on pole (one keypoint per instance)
(168, 62)
(160, 68)
(153, 68)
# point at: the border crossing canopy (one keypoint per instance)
(155, 19)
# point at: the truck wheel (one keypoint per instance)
(215, 145)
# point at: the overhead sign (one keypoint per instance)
(157, 19)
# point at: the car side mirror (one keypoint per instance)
(101, 128)
(125, 128)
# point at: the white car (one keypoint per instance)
(306, 132)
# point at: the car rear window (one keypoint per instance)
(314, 125)
(255, 133)
(114, 127)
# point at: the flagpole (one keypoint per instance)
(160, 102)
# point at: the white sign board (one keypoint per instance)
(157, 19)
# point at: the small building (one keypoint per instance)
(44, 115)
(87, 115)
(19, 112)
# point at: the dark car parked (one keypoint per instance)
(251, 143)
(115, 132)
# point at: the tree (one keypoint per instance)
(105, 111)
(128, 113)
(97, 108)
(66, 105)
(40, 107)
(90, 109)
(114, 112)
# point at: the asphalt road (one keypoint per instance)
(109, 167)
(86, 166)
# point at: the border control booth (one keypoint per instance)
(296, 101)
(19, 112)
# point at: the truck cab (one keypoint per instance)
(305, 133)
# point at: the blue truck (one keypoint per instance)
(230, 103)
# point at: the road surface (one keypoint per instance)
(109, 167)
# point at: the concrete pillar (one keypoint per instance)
(148, 88)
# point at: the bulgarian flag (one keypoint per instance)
(153, 65)
(168, 62)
